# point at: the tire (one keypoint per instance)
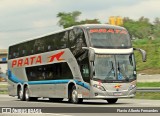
(55, 99)
(21, 94)
(18, 93)
(27, 95)
(74, 96)
(112, 101)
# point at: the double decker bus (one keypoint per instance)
(91, 61)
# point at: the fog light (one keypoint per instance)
(96, 94)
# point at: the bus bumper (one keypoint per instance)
(114, 94)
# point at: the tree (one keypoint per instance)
(139, 29)
(130, 25)
(156, 27)
(90, 21)
(68, 19)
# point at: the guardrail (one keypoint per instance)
(148, 89)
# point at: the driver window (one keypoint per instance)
(84, 68)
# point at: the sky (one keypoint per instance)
(21, 20)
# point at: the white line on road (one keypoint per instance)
(53, 114)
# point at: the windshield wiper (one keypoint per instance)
(111, 71)
(121, 74)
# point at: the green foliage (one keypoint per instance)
(152, 47)
(71, 19)
(138, 29)
(148, 95)
(148, 84)
(68, 19)
(156, 27)
(90, 21)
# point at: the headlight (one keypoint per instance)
(99, 87)
(132, 87)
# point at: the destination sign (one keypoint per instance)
(103, 30)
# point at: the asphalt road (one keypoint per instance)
(7, 101)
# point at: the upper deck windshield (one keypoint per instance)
(109, 38)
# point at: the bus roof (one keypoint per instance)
(85, 26)
(101, 26)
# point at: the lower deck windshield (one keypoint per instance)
(115, 68)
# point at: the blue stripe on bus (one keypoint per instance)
(82, 84)
(14, 79)
(48, 82)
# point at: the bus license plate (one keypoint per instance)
(117, 93)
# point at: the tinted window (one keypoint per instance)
(84, 66)
(71, 40)
(64, 40)
(109, 38)
(41, 45)
(49, 72)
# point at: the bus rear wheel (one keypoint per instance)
(21, 94)
(112, 100)
(74, 96)
(18, 92)
(27, 95)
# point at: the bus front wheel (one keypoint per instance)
(74, 96)
(112, 100)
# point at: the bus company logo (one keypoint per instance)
(35, 60)
(27, 61)
(117, 86)
(56, 56)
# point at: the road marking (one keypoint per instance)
(53, 114)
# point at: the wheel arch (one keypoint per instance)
(70, 85)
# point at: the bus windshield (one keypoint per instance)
(109, 38)
(115, 67)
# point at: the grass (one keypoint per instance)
(4, 91)
(3, 86)
(152, 47)
(148, 95)
(148, 84)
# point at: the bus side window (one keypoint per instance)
(14, 55)
(64, 40)
(80, 38)
(23, 52)
(84, 68)
(71, 40)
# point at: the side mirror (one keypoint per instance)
(143, 52)
(91, 54)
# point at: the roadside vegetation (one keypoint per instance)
(148, 84)
(148, 95)
(152, 47)
(3, 91)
